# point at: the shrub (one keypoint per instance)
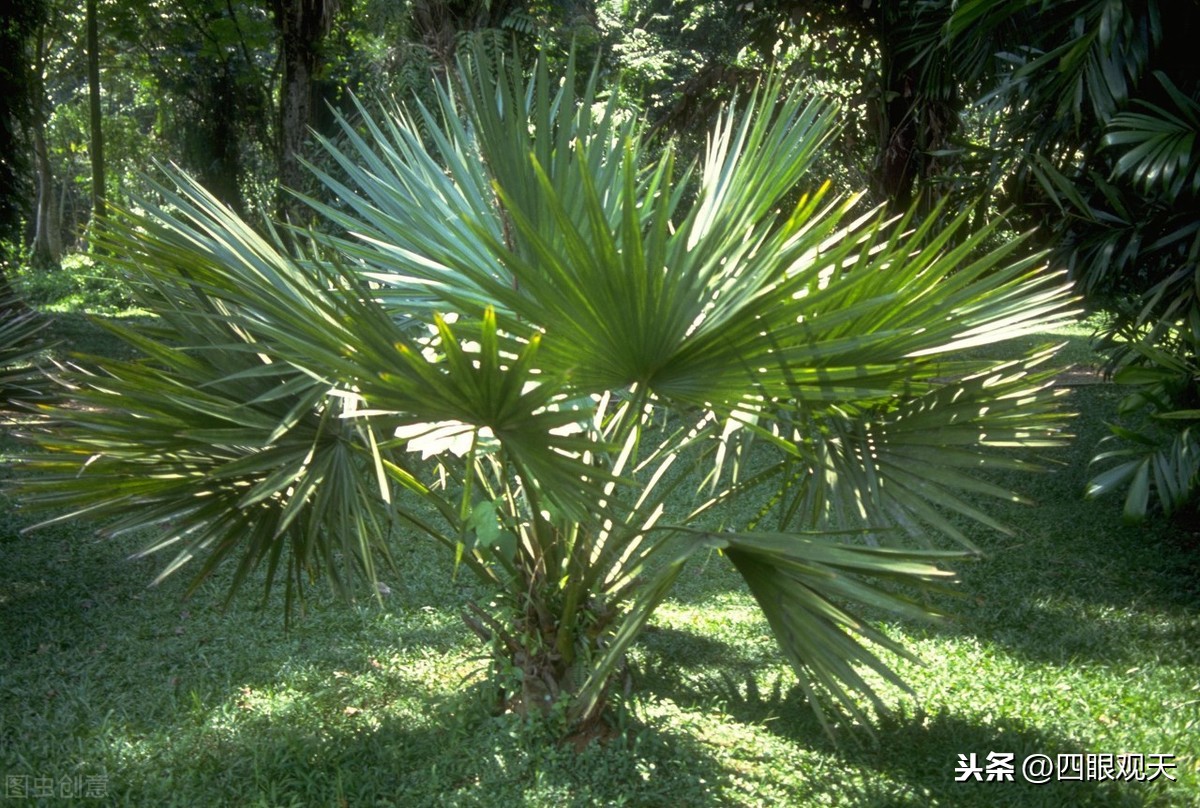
(529, 344)
(84, 282)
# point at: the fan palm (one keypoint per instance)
(530, 339)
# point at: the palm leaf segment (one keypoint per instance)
(19, 347)
(591, 287)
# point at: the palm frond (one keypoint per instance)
(1158, 146)
(1162, 369)
(20, 344)
(808, 589)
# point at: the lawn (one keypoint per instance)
(1076, 637)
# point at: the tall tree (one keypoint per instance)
(47, 238)
(302, 26)
(208, 62)
(97, 132)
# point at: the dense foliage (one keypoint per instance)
(1082, 117)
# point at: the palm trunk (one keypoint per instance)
(896, 165)
(915, 123)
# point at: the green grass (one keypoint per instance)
(1076, 635)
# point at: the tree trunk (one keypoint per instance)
(97, 135)
(896, 129)
(302, 25)
(217, 149)
(898, 156)
(916, 119)
(295, 110)
(47, 238)
(19, 23)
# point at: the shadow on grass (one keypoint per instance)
(663, 643)
(178, 703)
(87, 641)
(916, 755)
(83, 333)
(58, 584)
(452, 754)
(925, 750)
(1074, 582)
